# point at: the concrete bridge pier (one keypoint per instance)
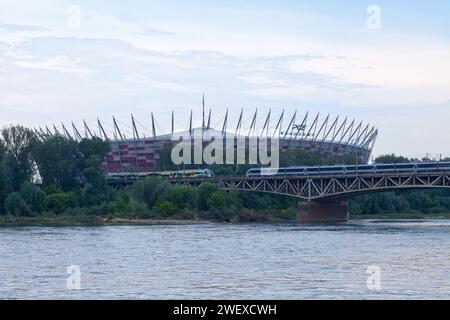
(322, 212)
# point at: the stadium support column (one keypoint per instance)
(266, 125)
(173, 123)
(101, 130)
(153, 127)
(239, 124)
(66, 132)
(203, 114)
(279, 125)
(291, 124)
(76, 133)
(208, 125)
(225, 121)
(252, 126)
(322, 212)
(190, 125)
(87, 131)
(57, 133)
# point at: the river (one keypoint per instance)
(405, 259)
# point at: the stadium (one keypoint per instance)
(134, 150)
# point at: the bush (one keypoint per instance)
(216, 200)
(186, 214)
(288, 214)
(33, 196)
(60, 201)
(204, 192)
(121, 205)
(103, 209)
(249, 215)
(182, 196)
(16, 205)
(138, 209)
(147, 191)
(166, 208)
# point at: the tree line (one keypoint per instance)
(55, 175)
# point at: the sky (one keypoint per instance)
(386, 63)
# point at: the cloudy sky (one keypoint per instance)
(384, 62)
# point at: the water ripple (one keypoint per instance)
(224, 261)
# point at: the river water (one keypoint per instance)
(407, 259)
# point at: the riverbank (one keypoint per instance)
(400, 216)
(70, 220)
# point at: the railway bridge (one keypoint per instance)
(324, 194)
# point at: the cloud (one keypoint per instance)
(149, 31)
(59, 63)
(52, 79)
(20, 28)
(159, 56)
(314, 79)
(148, 82)
(413, 130)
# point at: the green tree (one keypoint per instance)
(3, 180)
(56, 159)
(166, 207)
(182, 196)
(58, 201)
(391, 158)
(138, 209)
(255, 201)
(16, 205)
(216, 200)
(18, 141)
(122, 202)
(69, 164)
(33, 196)
(93, 152)
(204, 192)
(148, 191)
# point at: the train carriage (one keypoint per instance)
(376, 168)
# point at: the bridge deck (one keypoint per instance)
(319, 187)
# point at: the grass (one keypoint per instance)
(65, 220)
(50, 220)
(87, 220)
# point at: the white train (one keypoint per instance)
(351, 169)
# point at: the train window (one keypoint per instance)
(294, 169)
(427, 165)
(328, 169)
(385, 167)
(405, 165)
(365, 168)
(444, 165)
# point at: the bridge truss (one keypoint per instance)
(327, 187)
